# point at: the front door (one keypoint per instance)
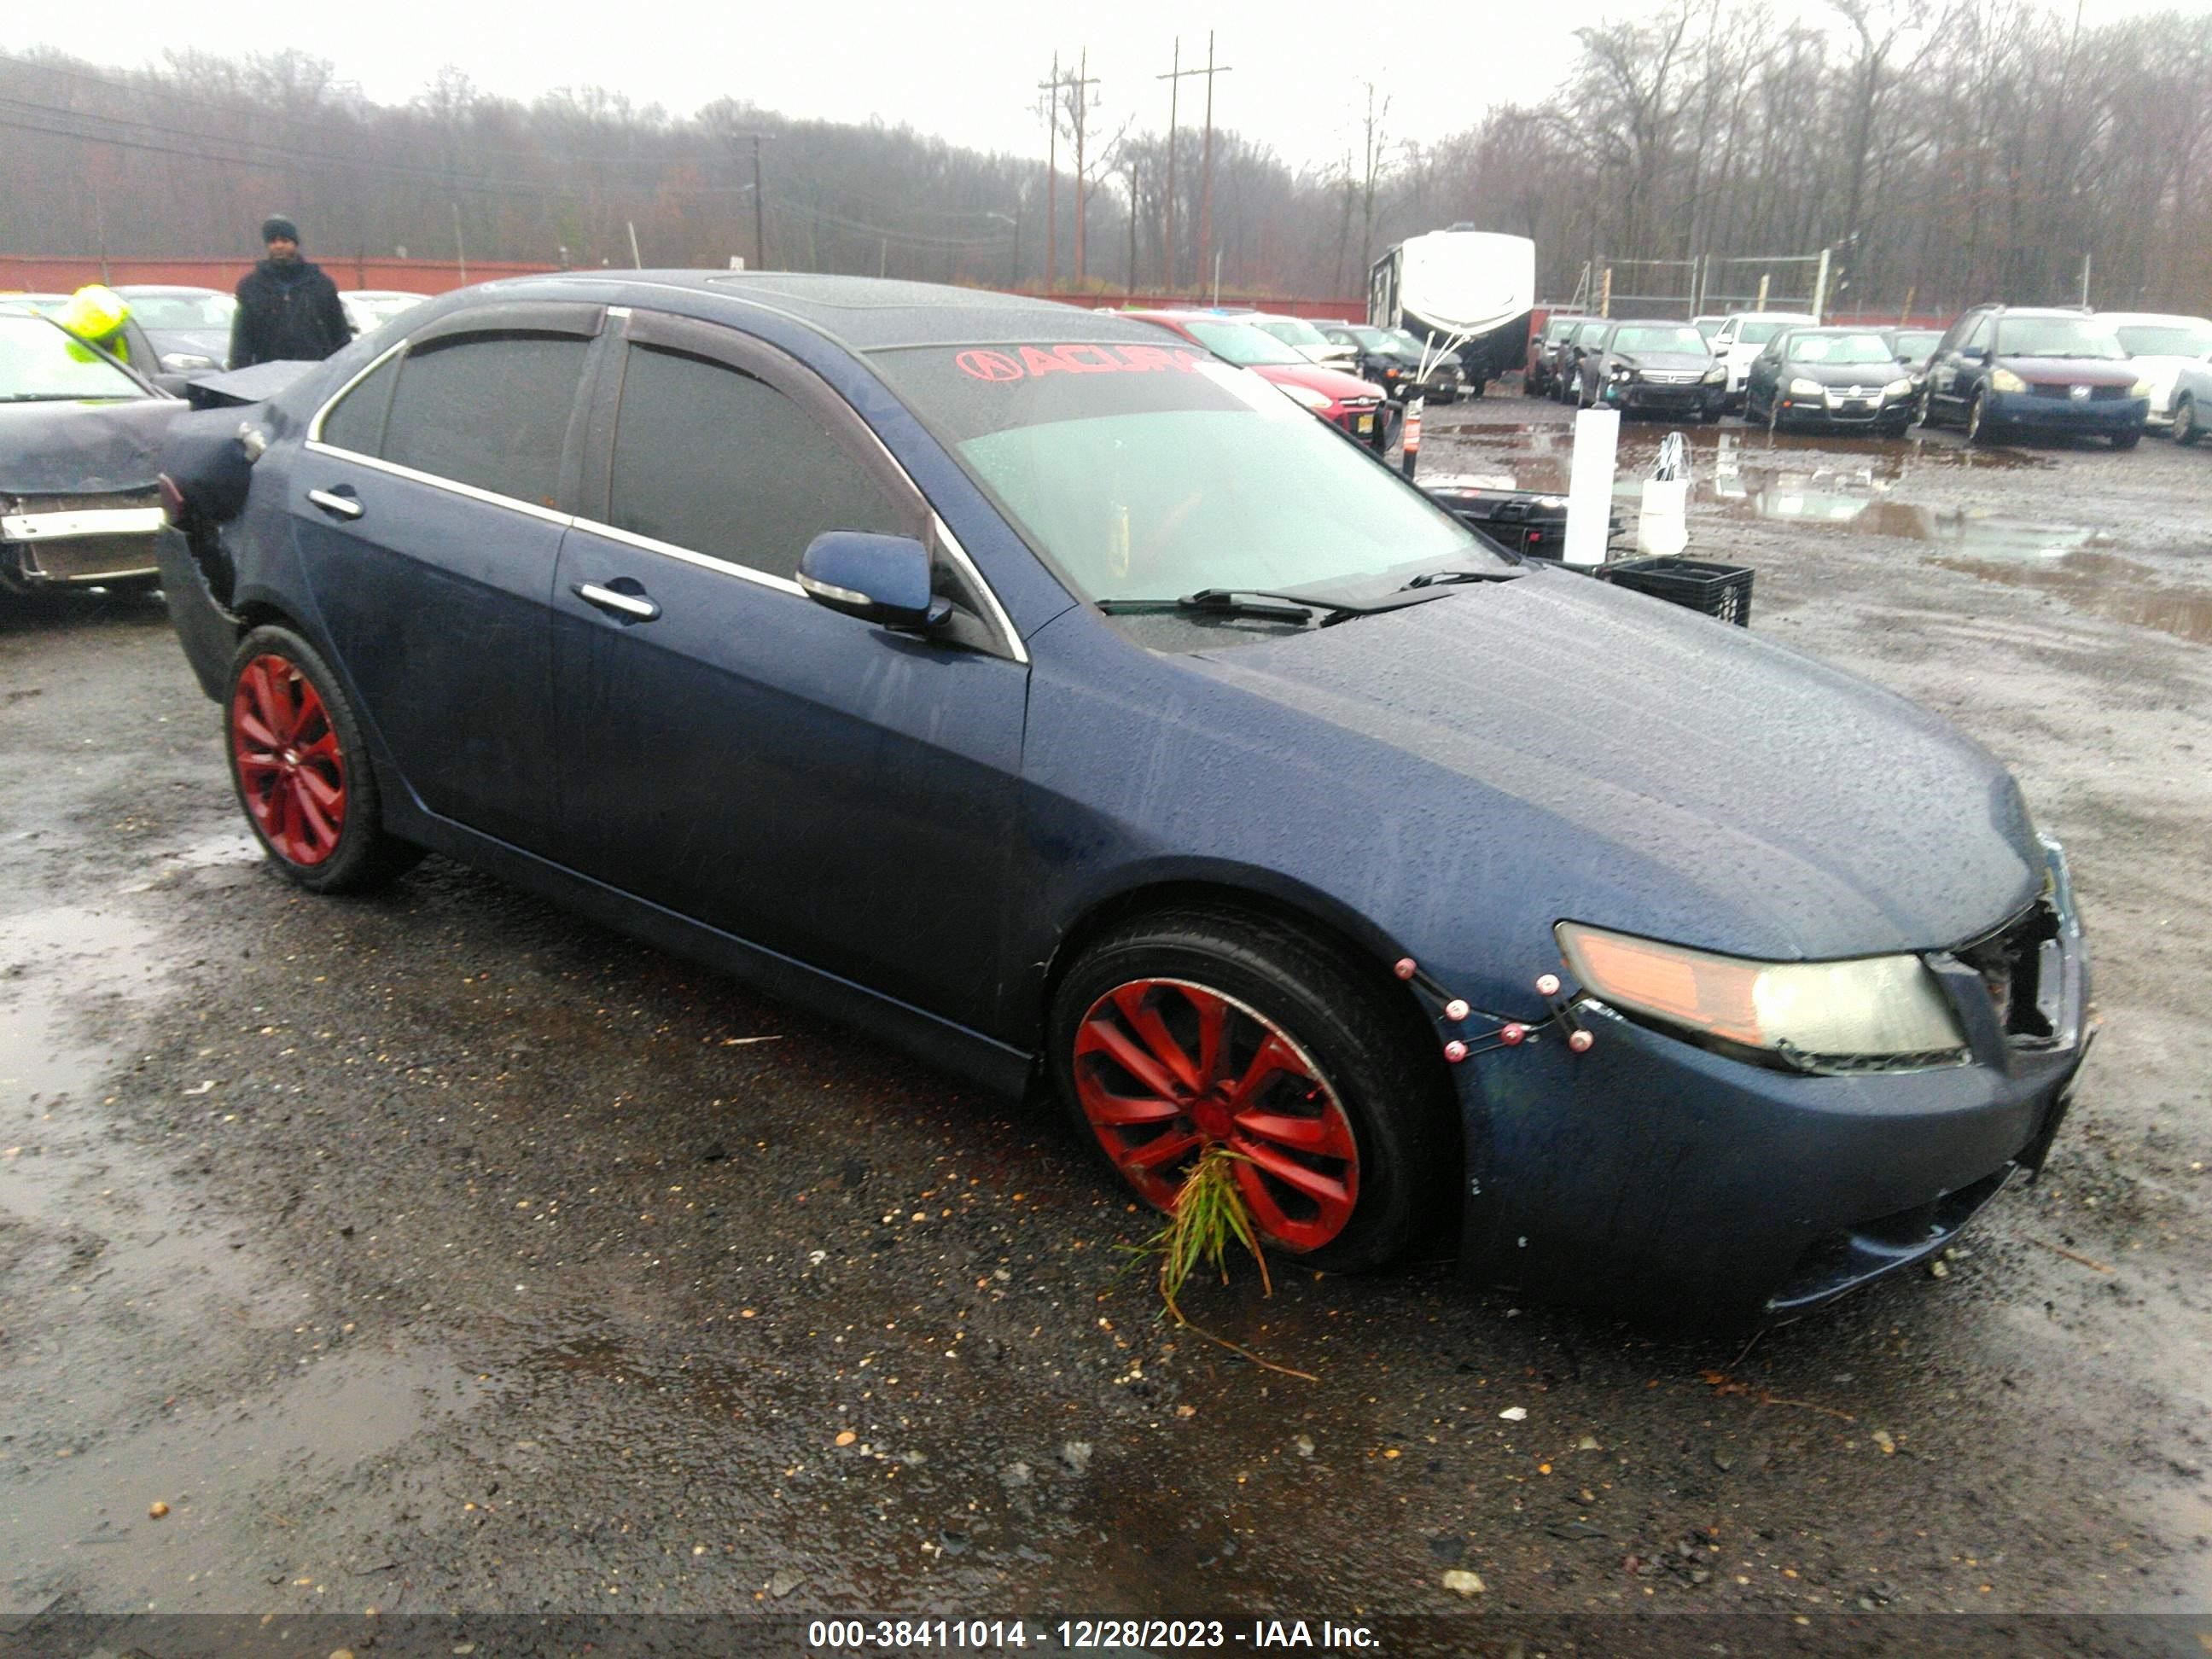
(732, 750)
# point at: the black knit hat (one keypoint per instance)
(276, 225)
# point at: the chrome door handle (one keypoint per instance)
(345, 506)
(632, 605)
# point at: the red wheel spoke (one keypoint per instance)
(324, 748)
(272, 704)
(1275, 1056)
(326, 795)
(1104, 1037)
(1212, 1021)
(258, 762)
(255, 732)
(320, 830)
(1266, 1208)
(1124, 1113)
(1136, 1006)
(1156, 1154)
(1325, 1135)
(1324, 1189)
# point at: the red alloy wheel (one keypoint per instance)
(1164, 1068)
(289, 770)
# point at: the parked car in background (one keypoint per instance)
(1741, 338)
(1354, 406)
(1057, 704)
(2015, 369)
(80, 435)
(190, 327)
(368, 309)
(1539, 378)
(1830, 376)
(1912, 347)
(1708, 323)
(1567, 365)
(1301, 337)
(2162, 344)
(1392, 359)
(2192, 401)
(1652, 366)
(139, 353)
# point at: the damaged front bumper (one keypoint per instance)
(49, 544)
(1652, 1173)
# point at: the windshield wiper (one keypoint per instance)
(1452, 573)
(1263, 603)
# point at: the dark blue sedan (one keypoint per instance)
(1072, 709)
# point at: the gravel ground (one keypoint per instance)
(438, 1253)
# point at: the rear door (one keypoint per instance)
(1951, 378)
(429, 508)
(741, 754)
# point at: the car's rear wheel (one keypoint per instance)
(2126, 439)
(1206, 1027)
(2185, 428)
(1927, 411)
(302, 770)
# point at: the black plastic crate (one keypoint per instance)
(1723, 590)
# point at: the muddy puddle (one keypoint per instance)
(2105, 585)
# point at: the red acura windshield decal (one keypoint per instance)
(1032, 362)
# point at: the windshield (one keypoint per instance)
(1242, 344)
(378, 308)
(1759, 330)
(1147, 472)
(1841, 348)
(1591, 333)
(39, 363)
(205, 311)
(1373, 339)
(1294, 330)
(1677, 338)
(1560, 327)
(2166, 339)
(1913, 345)
(2057, 336)
(1709, 326)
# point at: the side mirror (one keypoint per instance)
(879, 579)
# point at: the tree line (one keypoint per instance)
(1944, 151)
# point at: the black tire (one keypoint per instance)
(1979, 429)
(1370, 1055)
(2126, 439)
(1927, 411)
(1773, 413)
(363, 855)
(2186, 430)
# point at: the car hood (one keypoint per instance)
(82, 449)
(1609, 757)
(1672, 361)
(2073, 371)
(1866, 374)
(1329, 382)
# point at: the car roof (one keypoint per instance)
(861, 314)
(2148, 318)
(168, 287)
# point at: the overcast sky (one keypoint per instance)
(965, 72)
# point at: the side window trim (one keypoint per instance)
(794, 380)
(315, 425)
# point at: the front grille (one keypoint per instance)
(87, 558)
(2020, 966)
(2064, 389)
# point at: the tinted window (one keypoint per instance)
(356, 421)
(1684, 339)
(1977, 332)
(488, 410)
(718, 462)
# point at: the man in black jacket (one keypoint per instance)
(287, 308)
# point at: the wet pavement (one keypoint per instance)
(437, 1251)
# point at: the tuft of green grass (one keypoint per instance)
(1210, 1215)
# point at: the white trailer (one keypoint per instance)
(1462, 289)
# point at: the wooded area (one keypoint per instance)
(1947, 152)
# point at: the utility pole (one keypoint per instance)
(1174, 78)
(1206, 175)
(1051, 90)
(760, 211)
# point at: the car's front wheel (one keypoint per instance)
(302, 770)
(2186, 428)
(1206, 1027)
(1980, 428)
(2126, 439)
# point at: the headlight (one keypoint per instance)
(2140, 389)
(1307, 396)
(1875, 1006)
(2004, 379)
(1805, 388)
(1717, 374)
(1623, 371)
(178, 362)
(1897, 388)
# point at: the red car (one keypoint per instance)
(1345, 401)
